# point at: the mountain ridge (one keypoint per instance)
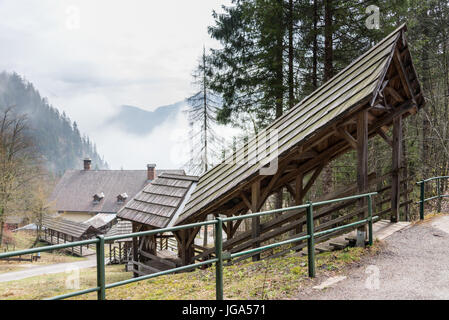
(139, 121)
(57, 139)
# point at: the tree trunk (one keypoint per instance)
(425, 122)
(328, 41)
(315, 46)
(328, 74)
(291, 98)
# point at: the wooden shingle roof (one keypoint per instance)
(100, 220)
(355, 87)
(159, 203)
(122, 227)
(70, 228)
(76, 189)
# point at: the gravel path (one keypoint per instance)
(48, 269)
(413, 264)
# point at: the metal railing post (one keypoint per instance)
(439, 195)
(310, 241)
(101, 277)
(421, 203)
(219, 255)
(370, 220)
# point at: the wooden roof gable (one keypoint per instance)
(158, 203)
(313, 128)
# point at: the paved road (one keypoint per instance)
(414, 264)
(48, 269)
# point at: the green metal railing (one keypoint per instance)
(219, 254)
(422, 198)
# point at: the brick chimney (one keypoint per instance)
(151, 171)
(87, 163)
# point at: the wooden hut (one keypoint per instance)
(57, 230)
(157, 206)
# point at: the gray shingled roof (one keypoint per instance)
(122, 227)
(100, 220)
(160, 202)
(76, 189)
(68, 227)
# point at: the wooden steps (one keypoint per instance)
(381, 229)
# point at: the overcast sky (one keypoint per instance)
(89, 57)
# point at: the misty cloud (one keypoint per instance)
(139, 53)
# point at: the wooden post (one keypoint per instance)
(135, 251)
(255, 198)
(395, 181)
(229, 234)
(187, 251)
(299, 197)
(362, 169)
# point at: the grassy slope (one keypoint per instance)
(279, 278)
(37, 288)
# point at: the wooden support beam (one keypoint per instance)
(394, 94)
(362, 168)
(348, 137)
(299, 194)
(312, 179)
(192, 235)
(235, 227)
(395, 183)
(403, 75)
(308, 154)
(159, 259)
(382, 133)
(268, 190)
(229, 228)
(187, 251)
(255, 202)
(135, 250)
(245, 200)
(381, 107)
(290, 190)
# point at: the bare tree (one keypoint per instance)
(16, 162)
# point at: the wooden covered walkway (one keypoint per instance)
(57, 231)
(367, 98)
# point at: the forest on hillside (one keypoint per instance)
(57, 139)
(274, 53)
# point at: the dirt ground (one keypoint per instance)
(412, 264)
